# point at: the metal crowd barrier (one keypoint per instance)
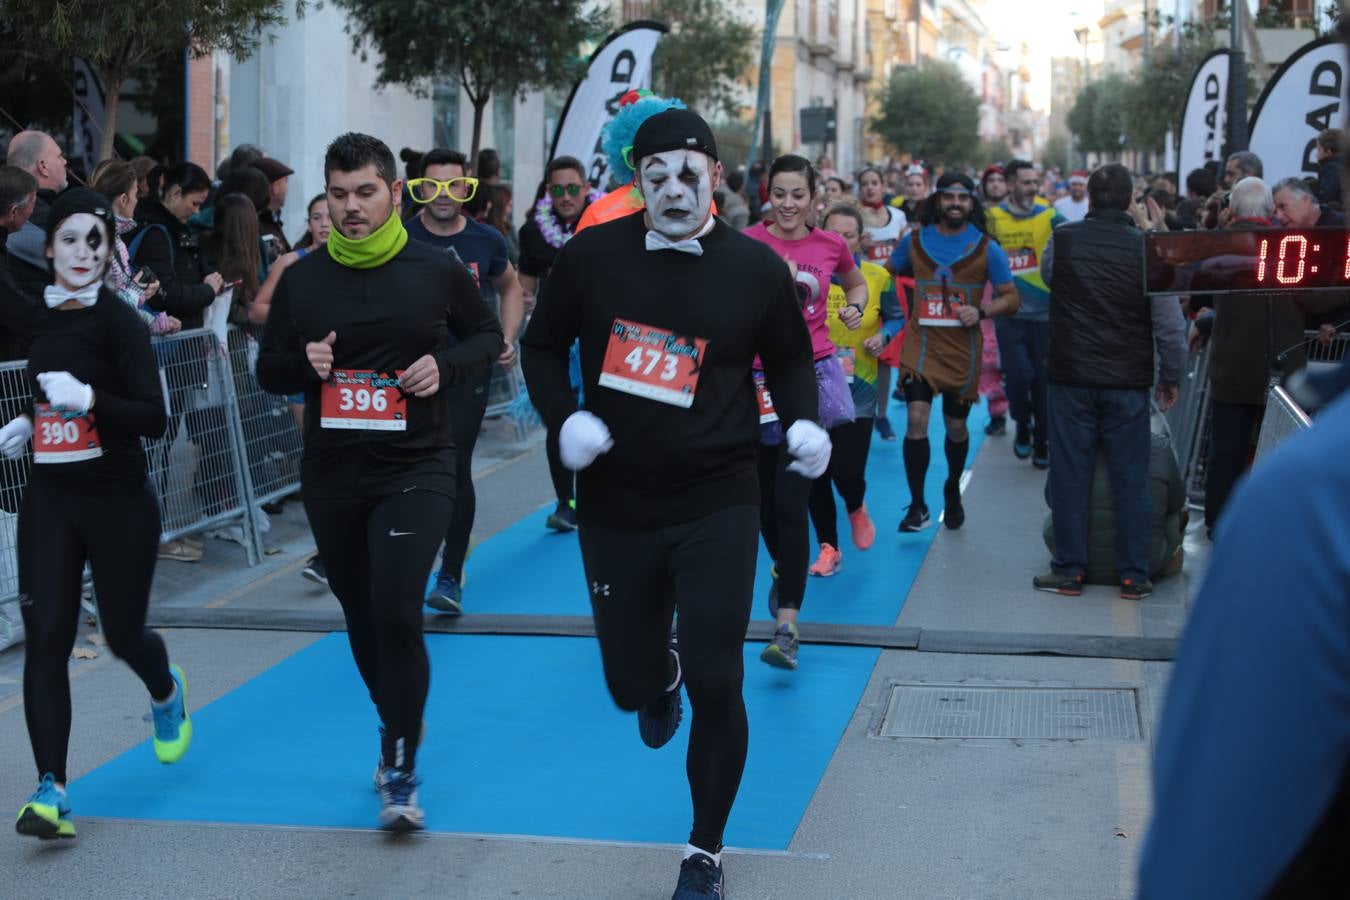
(1284, 417)
(1190, 418)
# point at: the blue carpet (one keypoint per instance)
(297, 746)
(504, 573)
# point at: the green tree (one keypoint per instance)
(708, 50)
(508, 46)
(116, 38)
(931, 113)
(1057, 152)
(1098, 117)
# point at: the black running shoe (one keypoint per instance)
(1022, 441)
(315, 571)
(997, 425)
(564, 518)
(659, 720)
(916, 518)
(1041, 457)
(954, 515)
(700, 879)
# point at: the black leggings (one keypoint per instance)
(783, 499)
(705, 570)
(847, 472)
(561, 475)
(468, 403)
(115, 528)
(378, 551)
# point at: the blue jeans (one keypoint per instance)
(1022, 349)
(1118, 420)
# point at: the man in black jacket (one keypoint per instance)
(1102, 333)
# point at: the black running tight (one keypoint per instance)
(115, 528)
(468, 403)
(705, 570)
(378, 551)
(847, 473)
(783, 500)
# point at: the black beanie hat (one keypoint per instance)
(673, 129)
(79, 200)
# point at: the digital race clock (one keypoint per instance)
(1246, 259)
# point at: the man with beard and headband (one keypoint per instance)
(362, 328)
(671, 308)
(951, 259)
(441, 192)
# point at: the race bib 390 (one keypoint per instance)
(62, 436)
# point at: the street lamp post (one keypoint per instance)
(1237, 83)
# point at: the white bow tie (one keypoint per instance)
(54, 295)
(658, 241)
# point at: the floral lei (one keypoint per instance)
(549, 227)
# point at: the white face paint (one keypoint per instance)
(79, 251)
(677, 186)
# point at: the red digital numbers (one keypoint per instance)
(1291, 260)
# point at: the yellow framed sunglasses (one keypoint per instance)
(425, 190)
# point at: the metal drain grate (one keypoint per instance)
(1031, 713)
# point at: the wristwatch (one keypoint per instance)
(983, 315)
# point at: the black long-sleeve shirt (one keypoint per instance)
(669, 464)
(385, 318)
(106, 347)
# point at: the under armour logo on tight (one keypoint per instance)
(599, 590)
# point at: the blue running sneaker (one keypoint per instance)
(700, 879)
(46, 815)
(446, 595)
(399, 811)
(659, 720)
(173, 728)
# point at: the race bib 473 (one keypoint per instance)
(654, 363)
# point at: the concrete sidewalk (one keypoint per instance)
(894, 816)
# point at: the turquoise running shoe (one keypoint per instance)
(46, 815)
(173, 728)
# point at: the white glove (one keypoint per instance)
(809, 445)
(14, 437)
(581, 439)
(65, 391)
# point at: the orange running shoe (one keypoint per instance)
(829, 562)
(864, 532)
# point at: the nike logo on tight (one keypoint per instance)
(393, 533)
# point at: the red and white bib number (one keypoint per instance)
(763, 400)
(936, 311)
(1023, 261)
(654, 363)
(363, 401)
(60, 436)
(880, 252)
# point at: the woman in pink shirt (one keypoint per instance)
(814, 256)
